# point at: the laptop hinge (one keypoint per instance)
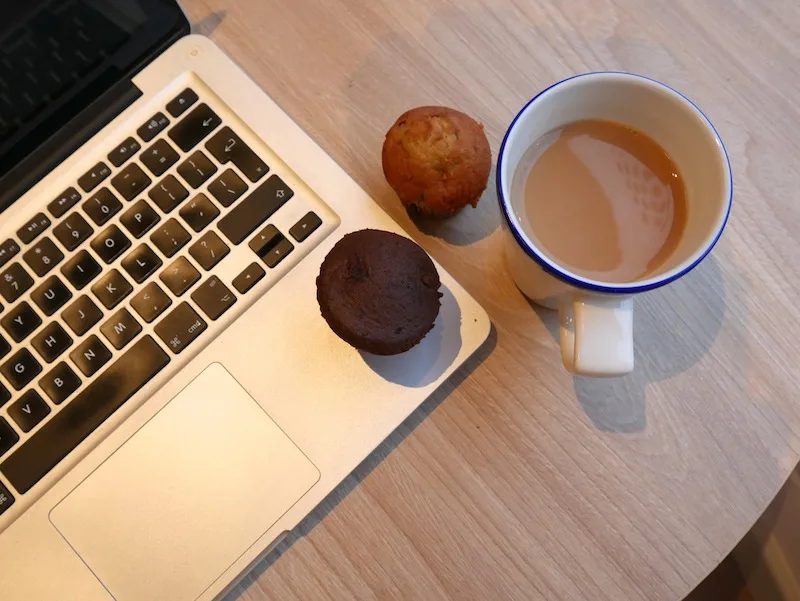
(65, 142)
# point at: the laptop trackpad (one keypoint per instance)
(185, 496)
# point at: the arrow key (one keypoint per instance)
(303, 228)
(29, 410)
(248, 278)
(213, 297)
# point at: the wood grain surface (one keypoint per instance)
(518, 481)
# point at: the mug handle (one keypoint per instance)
(597, 335)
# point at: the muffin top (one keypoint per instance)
(437, 160)
(379, 291)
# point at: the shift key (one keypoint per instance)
(180, 327)
(255, 209)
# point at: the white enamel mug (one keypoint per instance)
(596, 317)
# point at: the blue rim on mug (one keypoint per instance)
(573, 279)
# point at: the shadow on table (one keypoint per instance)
(208, 24)
(674, 327)
(370, 463)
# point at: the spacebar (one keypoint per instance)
(84, 414)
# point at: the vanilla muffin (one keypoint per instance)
(437, 160)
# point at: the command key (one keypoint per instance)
(180, 327)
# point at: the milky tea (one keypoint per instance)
(601, 200)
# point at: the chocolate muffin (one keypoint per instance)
(379, 291)
(437, 160)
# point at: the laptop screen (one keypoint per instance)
(57, 56)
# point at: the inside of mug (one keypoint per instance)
(666, 117)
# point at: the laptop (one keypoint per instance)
(172, 404)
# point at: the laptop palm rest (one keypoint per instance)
(184, 497)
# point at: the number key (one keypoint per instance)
(102, 206)
(73, 231)
(209, 250)
(14, 282)
(43, 256)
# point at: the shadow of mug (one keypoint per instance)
(674, 328)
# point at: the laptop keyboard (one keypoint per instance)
(127, 245)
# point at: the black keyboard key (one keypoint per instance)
(226, 147)
(139, 218)
(82, 315)
(194, 127)
(227, 188)
(20, 369)
(8, 437)
(5, 395)
(150, 302)
(51, 342)
(197, 169)
(102, 206)
(29, 410)
(59, 383)
(111, 289)
(277, 253)
(141, 263)
(168, 193)
(51, 295)
(43, 256)
(154, 125)
(6, 498)
(130, 181)
(81, 269)
(92, 178)
(123, 152)
(170, 237)
(73, 231)
(180, 327)
(8, 249)
(121, 328)
(82, 416)
(255, 209)
(209, 250)
(14, 282)
(90, 355)
(179, 276)
(159, 157)
(199, 212)
(35, 226)
(305, 227)
(213, 297)
(66, 200)
(265, 240)
(110, 243)
(20, 321)
(248, 278)
(181, 102)
(5, 347)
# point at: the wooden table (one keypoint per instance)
(518, 481)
